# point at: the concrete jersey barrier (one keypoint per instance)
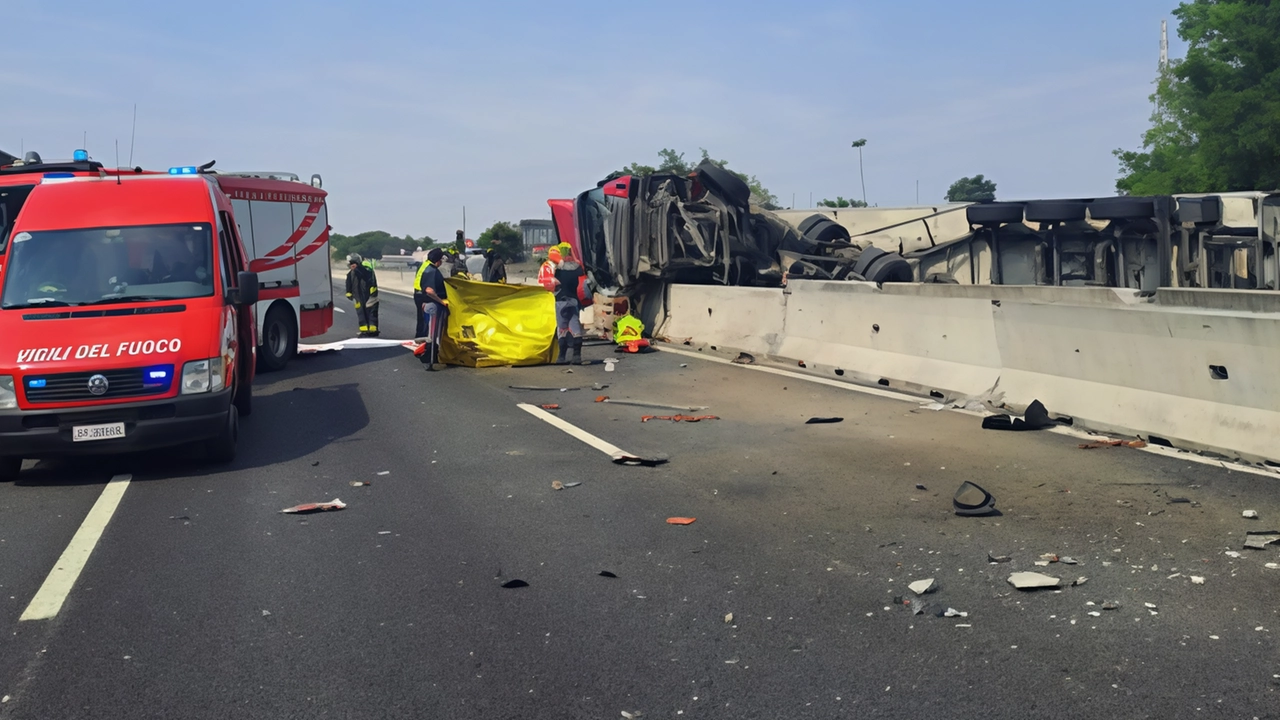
(1190, 367)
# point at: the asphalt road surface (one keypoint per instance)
(201, 600)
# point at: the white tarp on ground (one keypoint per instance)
(353, 344)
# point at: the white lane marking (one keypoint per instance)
(577, 432)
(1059, 429)
(49, 598)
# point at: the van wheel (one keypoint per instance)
(279, 339)
(222, 448)
(244, 399)
(10, 467)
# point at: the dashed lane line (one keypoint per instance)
(49, 598)
(605, 447)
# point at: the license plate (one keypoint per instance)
(88, 433)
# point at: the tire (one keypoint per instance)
(890, 269)
(809, 222)
(1055, 211)
(1122, 208)
(10, 468)
(868, 256)
(724, 183)
(279, 339)
(244, 399)
(221, 449)
(994, 213)
(827, 231)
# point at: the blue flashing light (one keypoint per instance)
(38, 383)
(80, 156)
(157, 376)
(188, 170)
(58, 175)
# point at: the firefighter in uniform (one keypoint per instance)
(362, 290)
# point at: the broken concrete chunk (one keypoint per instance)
(952, 612)
(1250, 514)
(1032, 581)
(1261, 539)
(728, 618)
(923, 587)
(972, 500)
(1079, 581)
(1197, 580)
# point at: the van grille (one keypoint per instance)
(72, 387)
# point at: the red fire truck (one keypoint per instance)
(129, 303)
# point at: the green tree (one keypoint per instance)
(1216, 122)
(373, 244)
(505, 238)
(971, 189)
(840, 202)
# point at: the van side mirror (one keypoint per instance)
(247, 291)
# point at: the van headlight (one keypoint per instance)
(8, 397)
(202, 376)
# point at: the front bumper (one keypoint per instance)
(147, 425)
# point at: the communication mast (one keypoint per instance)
(1164, 45)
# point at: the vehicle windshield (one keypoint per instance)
(57, 268)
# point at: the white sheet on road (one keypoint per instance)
(353, 344)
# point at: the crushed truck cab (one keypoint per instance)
(127, 317)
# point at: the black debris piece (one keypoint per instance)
(971, 500)
(744, 359)
(921, 487)
(823, 420)
(1035, 418)
(606, 573)
(635, 460)
(513, 584)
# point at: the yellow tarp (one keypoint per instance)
(493, 324)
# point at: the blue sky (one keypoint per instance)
(411, 110)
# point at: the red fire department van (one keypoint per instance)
(128, 305)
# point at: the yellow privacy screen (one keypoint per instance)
(492, 324)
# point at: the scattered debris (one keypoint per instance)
(623, 458)
(823, 420)
(1079, 581)
(657, 406)
(952, 612)
(360, 483)
(1179, 501)
(995, 559)
(314, 464)
(630, 715)
(728, 618)
(606, 573)
(1149, 606)
(1136, 444)
(602, 398)
(1232, 554)
(572, 484)
(1272, 566)
(542, 388)
(1250, 514)
(557, 485)
(1094, 613)
(800, 363)
(1197, 580)
(923, 587)
(684, 365)
(1032, 581)
(609, 364)
(1036, 417)
(1110, 606)
(921, 487)
(678, 418)
(681, 521)
(334, 504)
(971, 500)
(384, 472)
(1259, 540)
(550, 407)
(1049, 557)
(744, 359)
(513, 584)
(384, 532)
(1068, 560)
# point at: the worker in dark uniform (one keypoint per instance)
(568, 278)
(435, 307)
(362, 290)
(495, 267)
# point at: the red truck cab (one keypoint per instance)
(126, 312)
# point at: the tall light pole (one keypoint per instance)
(861, 143)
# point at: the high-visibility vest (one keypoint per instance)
(547, 275)
(417, 280)
(627, 328)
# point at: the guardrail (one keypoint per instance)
(1194, 368)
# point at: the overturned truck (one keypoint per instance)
(635, 231)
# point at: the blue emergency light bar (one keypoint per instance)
(58, 175)
(157, 376)
(80, 156)
(188, 170)
(38, 383)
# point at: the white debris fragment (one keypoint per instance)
(1214, 637)
(1149, 606)
(1032, 581)
(923, 587)
(952, 612)
(728, 618)
(1095, 613)
(1232, 554)
(1272, 566)
(1197, 580)
(1250, 514)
